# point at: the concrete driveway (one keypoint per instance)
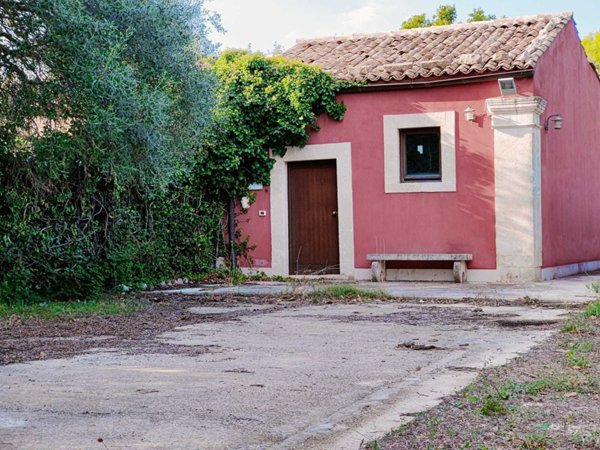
(571, 290)
(310, 377)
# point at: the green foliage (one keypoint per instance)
(445, 15)
(576, 354)
(103, 108)
(586, 438)
(416, 21)
(551, 383)
(263, 103)
(591, 44)
(374, 445)
(61, 311)
(577, 360)
(493, 405)
(592, 310)
(538, 439)
(346, 292)
(119, 141)
(113, 87)
(578, 324)
(479, 15)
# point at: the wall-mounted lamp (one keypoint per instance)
(558, 120)
(470, 114)
(507, 86)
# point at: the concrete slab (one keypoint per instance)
(215, 310)
(563, 291)
(310, 377)
(257, 289)
(571, 290)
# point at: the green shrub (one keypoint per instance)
(97, 179)
(593, 309)
(347, 291)
(493, 405)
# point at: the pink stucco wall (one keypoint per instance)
(461, 221)
(571, 156)
(258, 230)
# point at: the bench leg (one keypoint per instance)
(378, 271)
(460, 271)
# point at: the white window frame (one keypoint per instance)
(393, 124)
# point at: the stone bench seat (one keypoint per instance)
(378, 265)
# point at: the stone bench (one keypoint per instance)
(460, 262)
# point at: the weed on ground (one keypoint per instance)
(592, 310)
(70, 310)
(347, 292)
(546, 399)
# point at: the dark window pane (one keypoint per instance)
(421, 155)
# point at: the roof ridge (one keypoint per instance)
(432, 29)
(458, 49)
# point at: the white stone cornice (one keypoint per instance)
(516, 112)
(516, 105)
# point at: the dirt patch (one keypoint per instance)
(38, 339)
(525, 323)
(546, 399)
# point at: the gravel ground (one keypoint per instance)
(547, 399)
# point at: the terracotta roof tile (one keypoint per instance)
(478, 47)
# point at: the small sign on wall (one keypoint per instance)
(245, 202)
(255, 187)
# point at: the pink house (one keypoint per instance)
(477, 143)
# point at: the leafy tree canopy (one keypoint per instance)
(103, 107)
(591, 44)
(120, 78)
(479, 15)
(444, 15)
(262, 103)
(416, 21)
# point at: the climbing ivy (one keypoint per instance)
(262, 103)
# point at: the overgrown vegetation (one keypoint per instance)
(71, 310)
(119, 141)
(546, 399)
(592, 310)
(263, 103)
(101, 111)
(347, 292)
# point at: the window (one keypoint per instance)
(420, 154)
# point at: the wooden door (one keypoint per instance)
(313, 218)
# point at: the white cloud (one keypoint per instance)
(361, 17)
(290, 39)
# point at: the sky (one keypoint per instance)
(261, 23)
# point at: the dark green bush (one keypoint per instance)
(103, 109)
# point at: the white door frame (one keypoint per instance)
(341, 153)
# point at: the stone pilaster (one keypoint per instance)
(517, 167)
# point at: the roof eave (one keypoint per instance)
(418, 83)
